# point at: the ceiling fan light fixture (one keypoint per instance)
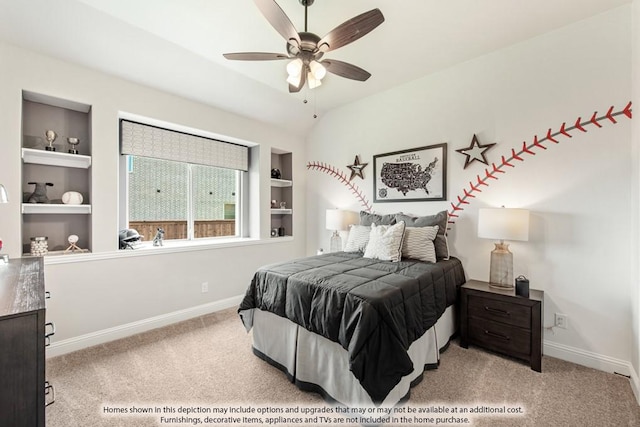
(305, 49)
(294, 68)
(295, 80)
(318, 70)
(312, 81)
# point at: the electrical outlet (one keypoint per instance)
(562, 321)
(205, 287)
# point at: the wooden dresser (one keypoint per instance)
(501, 321)
(22, 343)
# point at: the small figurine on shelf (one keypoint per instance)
(73, 239)
(275, 173)
(157, 241)
(39, 194)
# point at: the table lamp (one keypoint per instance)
(502, 224)
(4, 197)
(338, 220)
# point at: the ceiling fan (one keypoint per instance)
(305, 49)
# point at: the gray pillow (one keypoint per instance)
(367, 218)
(439, 219)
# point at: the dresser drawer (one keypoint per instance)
(500, 337)
(499, 311)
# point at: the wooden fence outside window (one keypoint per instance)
(178, 229)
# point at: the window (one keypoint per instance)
(178, 185)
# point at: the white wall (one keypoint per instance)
(579, 191)
(635, 283)
(104, 290)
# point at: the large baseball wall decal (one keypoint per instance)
(529, 150)
(344, 179)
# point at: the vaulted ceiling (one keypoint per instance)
(177, 45)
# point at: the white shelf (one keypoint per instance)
(44, 208)
(281, 182)
(281, 211)
(54, 158)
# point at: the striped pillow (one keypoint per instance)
(385, 242)
(418, 243)
(358, 238)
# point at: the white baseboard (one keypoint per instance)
(595, 361)
(586, 358)
(99, 337)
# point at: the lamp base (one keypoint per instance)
(336, 242)
(501, 269)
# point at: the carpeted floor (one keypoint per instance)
(207, 363)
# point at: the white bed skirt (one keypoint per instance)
(318, 364)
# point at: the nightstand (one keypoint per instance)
(501, 321)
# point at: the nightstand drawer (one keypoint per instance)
(500, 337)
(499, 311)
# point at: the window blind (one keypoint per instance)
(150, 141)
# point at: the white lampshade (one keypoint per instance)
(294, 68)
(4, 197)
(503, 224)
(339, 220)
(317, 69)
(312, 81)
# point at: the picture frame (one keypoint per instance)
(414, 175)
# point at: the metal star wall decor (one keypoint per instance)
(475, 151)
(357, 168)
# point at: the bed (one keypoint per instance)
(357, 330)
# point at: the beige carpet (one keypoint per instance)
(208, 362)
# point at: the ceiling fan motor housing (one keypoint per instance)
(308, 50)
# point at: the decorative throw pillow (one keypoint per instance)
(418, 243)
(358, 238)
(439, 219)
(385, 242)
(367, 218)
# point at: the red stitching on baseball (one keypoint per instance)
(462, 200)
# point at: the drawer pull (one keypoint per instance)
(47, 336)
(47, 295)
(49, 390)
(499, 336)
(497, 311)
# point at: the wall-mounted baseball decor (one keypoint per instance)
(357, 168)
(418, 174)
(475, 151)
(342, 178)
(527, 151)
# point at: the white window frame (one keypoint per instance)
(243, 188)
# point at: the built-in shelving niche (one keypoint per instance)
(67, 172)
(282, 191)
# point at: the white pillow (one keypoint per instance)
(385, 242)
(418, 243)
(358, 238)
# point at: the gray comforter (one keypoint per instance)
(373, 309)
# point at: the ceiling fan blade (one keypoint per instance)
(344, 69)
(255, 56)
(351, 30)
(303, 80)
(279, 20)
